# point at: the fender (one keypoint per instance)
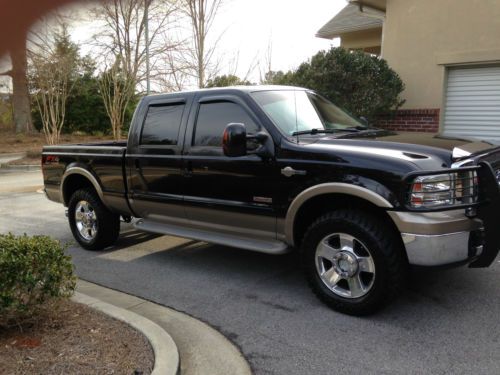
(329, 188)
(85, 173)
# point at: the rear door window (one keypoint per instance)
(162, 124)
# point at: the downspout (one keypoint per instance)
(369, 10)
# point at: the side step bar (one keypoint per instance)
(259, 245)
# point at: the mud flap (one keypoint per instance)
(489, 213)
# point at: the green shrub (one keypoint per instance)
(227, 80)
(363, 84)
(33, 271)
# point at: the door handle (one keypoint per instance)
(188, 171)
(289, 172)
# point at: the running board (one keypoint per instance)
(259, 245)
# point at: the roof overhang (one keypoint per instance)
(375, 4)
(356, 16)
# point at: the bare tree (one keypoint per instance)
(201, 14)
(176, 72)
(5, 106)
(267, 63)
(53, 62)
(123, 41)
(117, 89)
(19, 76)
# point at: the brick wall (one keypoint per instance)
(411, 120)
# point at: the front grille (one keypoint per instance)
(466, 189)
(497, 175)
(492, 158)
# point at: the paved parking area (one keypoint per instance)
(447, 322)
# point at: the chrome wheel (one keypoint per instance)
(86, 220)
(345, 265)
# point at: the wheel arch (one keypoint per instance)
(319, 199)
(76, 178)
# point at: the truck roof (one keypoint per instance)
(229, 89)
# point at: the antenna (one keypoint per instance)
(146, 36)
(296, 120)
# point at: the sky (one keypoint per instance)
(290, 26)
(249, 27)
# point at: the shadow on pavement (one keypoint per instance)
(132, 237)
(262, 303)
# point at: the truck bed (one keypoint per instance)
(87, 147)
(104, 161)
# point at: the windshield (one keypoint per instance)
(301, 111)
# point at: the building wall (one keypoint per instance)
(411, 120)
(371, 38)
(421, 38)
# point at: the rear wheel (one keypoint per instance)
(353, 262)
(92, 224)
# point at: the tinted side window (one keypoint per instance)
(162, 124)
(213, 118)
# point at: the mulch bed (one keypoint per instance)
(74, 339)
(32, 143)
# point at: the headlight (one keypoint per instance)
(444, 189)
(429, 191)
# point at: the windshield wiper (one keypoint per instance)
(359, 128)
(366, 132)
(324, 131)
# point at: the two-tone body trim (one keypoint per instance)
(78, 170)
(328, 188)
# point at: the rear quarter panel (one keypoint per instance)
(105, 163)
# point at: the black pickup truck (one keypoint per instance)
(273, 169)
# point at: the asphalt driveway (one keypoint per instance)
(447, 322)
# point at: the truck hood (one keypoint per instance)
(460, 147)
(427, 151)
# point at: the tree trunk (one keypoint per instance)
(20, 93)
(201, 74)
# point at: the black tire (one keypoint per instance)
(384, 249)
(107, 223)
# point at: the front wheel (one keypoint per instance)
(92, 224)
(353, 262)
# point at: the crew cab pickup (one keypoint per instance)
(273, 169)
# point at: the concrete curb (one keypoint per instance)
(14, 168)
(202, 349)
(18, 155)
(164, 348)
(5, 159)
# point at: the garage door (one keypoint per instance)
(472, 107)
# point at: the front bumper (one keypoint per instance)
(439, 238)
(443, 249)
